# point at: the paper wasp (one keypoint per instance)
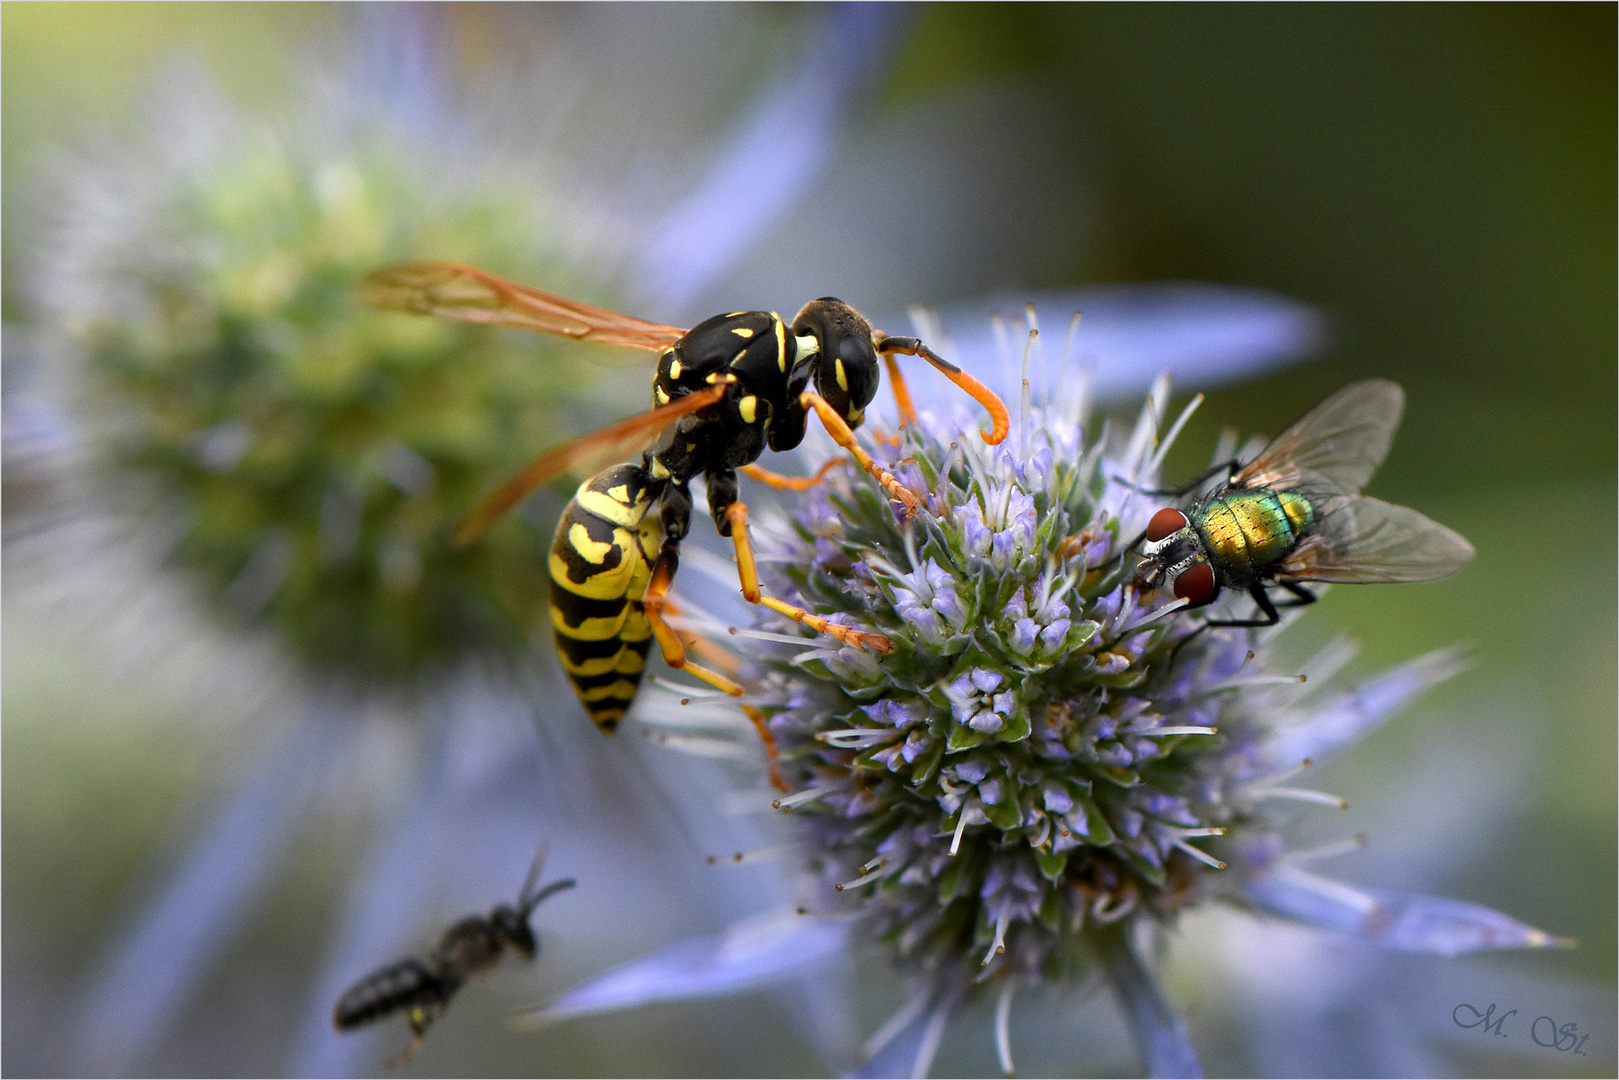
(1295, 513)
(724, 391)
(469, 948)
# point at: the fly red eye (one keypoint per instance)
(1196, 584)
(1165, 522)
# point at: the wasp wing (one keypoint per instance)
(614, 442)
(1360, 539)
(457, 291)
(1335, 447)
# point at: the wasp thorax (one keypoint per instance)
(846, 370)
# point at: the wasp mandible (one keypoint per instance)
(1295, 513)
(469, 948)
(724, 392)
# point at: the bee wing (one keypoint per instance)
(456, 291)
(614, 442)
(1360, 539)
(1335, 447)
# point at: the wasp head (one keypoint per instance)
(846, 370)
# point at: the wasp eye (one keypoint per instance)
(1196, 584)
(1165, 522)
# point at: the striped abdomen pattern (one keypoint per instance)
(601, 561)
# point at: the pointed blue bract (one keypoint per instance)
(1354, 714)
(1408, 922)
(756, 952)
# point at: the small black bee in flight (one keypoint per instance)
(470, 947)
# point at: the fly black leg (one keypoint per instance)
(1227, 467)
(1301, 595)
(1257, 591)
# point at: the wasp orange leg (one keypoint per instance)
(674, 654)
(697, 643)
(792, 483)
(902, 392)
(843, 435)
(736, 515)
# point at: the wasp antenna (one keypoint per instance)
(1000, 419)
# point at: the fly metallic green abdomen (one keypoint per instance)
(1294, 514)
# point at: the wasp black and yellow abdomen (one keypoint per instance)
(601, 561)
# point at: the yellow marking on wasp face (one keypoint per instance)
(742, 331)
(608, 508)
(658, 392)
(659, 470)
(843, 376)
(749, 408)
(590, 550)
(675, 369)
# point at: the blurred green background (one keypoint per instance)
(1439, 180)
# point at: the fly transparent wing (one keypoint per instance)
(1359, 539)
(1335, 447)
(457, 291)
(613, 443)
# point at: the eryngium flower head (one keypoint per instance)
(1032, 760)
(1051, 758)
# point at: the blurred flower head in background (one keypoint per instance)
(213, 453)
